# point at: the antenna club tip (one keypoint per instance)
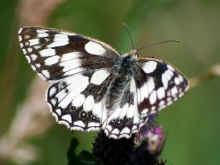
(124, 24)
(179, 41)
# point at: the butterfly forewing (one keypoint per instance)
(159, 85)
(56, 54)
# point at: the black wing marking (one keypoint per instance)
(56, 54)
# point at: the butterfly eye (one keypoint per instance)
(93, 117)
(83, 114)
(73, 108)
(63, 84)
(128, 120)
(113, 121)
(119, 122)
(98, 119)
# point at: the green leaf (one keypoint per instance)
(84, 158)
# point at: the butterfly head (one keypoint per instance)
(133, 53)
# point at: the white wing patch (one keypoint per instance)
(99, 76)
(150, 66)
(47, 52)
(70, 56)
(78, 100)
(59, 40)
(160, 93)
(88, 104)
(52, 60)
(94, 48)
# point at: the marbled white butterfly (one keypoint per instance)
(94, 86)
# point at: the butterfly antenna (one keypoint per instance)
(126, 27)
(146, 46)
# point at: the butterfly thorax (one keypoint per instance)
(123, 72)
(127, 63)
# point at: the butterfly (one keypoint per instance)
(94, 86)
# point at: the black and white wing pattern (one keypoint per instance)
(160, 85)
(153, 85)
(56, 54)
(94, 87)
(79, 68)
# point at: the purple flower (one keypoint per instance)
(156, 139)
(143, 148)
(153, 135)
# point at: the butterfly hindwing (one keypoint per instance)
(79, 101)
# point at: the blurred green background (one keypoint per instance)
(192, 123)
